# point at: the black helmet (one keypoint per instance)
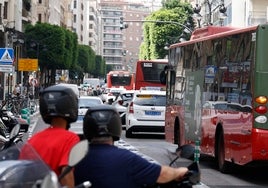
(100, 121)
(58, 101)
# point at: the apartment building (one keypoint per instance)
(120, 48)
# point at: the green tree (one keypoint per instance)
(54, 47)
(99, 67)
(156, 34)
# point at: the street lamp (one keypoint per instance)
(211, 8)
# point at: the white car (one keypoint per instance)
(113, 93)
(121, 102)
(84, 102)
(146, 113)
(104, 94)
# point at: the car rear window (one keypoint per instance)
(85, 103)
(150, 100)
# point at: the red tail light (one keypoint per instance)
(131, 110)
(261, 109)
(110, 94)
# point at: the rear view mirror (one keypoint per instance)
(120, 102)
(77, 153)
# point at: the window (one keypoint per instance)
(150, 100)
(39, 17)
(5, 10)
(40, 1)
(74, 18)
(91, 17)
(75, 4)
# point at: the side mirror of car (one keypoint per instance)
(120, 102)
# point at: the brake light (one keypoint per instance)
(131, 110)
(110, 94)
(261, 109)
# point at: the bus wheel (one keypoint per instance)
(129, 134)
(222, 164)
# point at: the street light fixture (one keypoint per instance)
(211, 10)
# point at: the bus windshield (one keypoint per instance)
(121, 78)
(148, 73)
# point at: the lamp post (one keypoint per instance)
(210, 8)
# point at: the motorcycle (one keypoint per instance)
(14, 138)
(191, 178)
(22, 167)
(10, 120)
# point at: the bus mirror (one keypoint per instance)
(173, 77)
(163, 77)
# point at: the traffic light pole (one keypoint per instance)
(123, 25)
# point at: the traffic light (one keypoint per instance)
(122, 24)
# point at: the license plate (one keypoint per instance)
(153, 113)
(80, 118)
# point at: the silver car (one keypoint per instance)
(84, 102)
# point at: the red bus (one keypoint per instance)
(120, 79)
(148, 73)
(217, 94)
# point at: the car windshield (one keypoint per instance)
(85, 103)
(150, 100)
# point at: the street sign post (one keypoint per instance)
(6, 60)
(6, 56)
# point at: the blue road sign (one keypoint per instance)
(6, 56)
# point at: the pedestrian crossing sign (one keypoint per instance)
(6, 56)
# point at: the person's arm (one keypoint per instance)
(168, 174)
(68, 179)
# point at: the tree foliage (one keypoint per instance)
(57, 48)
(170, 22)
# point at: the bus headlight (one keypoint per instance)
(261, 119)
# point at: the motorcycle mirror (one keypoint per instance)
(187, 151)
(77, 153)
(15, 131)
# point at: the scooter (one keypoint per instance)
(191, 179)
(22, 167)
(10, 120)
(13, 138)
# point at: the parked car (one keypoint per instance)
(146, 113)
(84, 102)
(121, 103)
